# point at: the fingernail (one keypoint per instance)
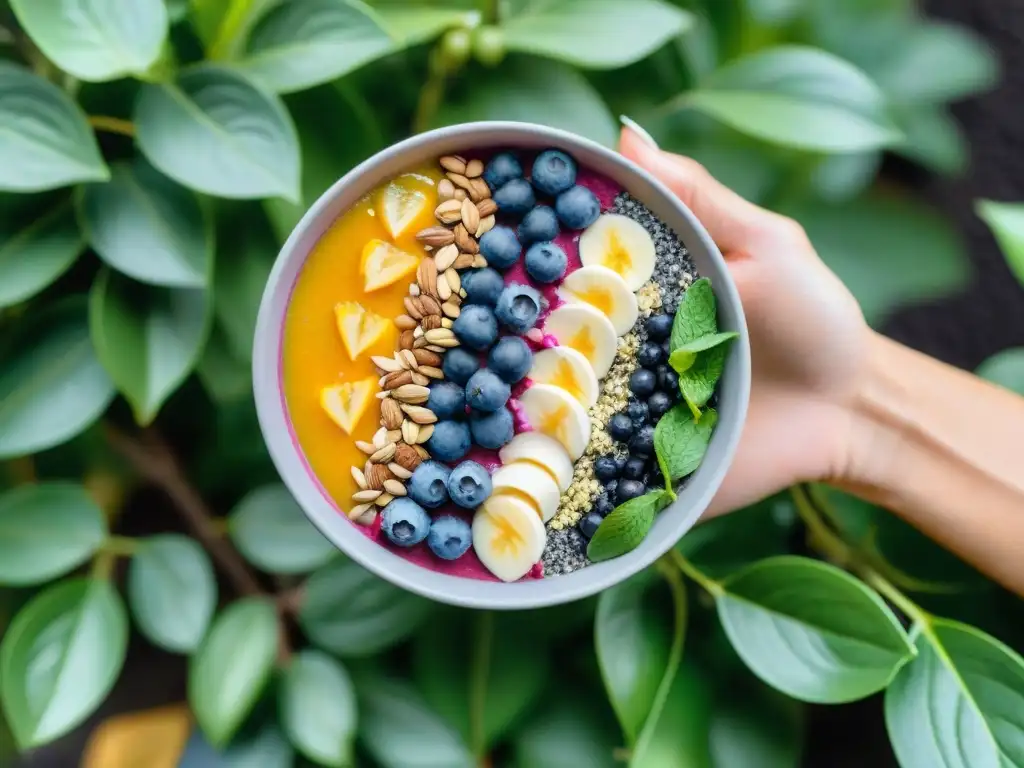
(638, 130)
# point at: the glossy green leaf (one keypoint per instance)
(48, 142)
(47, 530)
(232, 666)
(272, 532)
(96, 39)
(680, 442)
(1007, 223)
(318, 708)
(1006, 369)
(594, 33)
(799, 97)
(147, 227)
(350, 612)
(679, 739)
(215, 131)
(697, 314)
(960, 703)
(838, 178)
(811, 630)
(931, 137)
(148, 338)
(415, 24)
(223, 25)
(627, 526)
(36, 247)
(774, 12)
(60, 658)
(568, 728)
(172, 591)
(52, 385)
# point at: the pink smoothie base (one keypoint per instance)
(469, 566)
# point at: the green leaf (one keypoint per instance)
(215, 131)
(696, 316)
(265, 747)
(318, 708)
(811, 630)
(350, 612)
(222, 25)
(680, 736)
(685, 355)
(413, 25)
(60, 657)
(754, 726)
(838, 178)
(226, 378)
(569, 728)
(1006, 369)
(960, 703)
(177, 10)
(48, 142)
(272, 532)
(932, 138)
(1007, 223)
(698, 382)
(36, 247)
(627, 525)
(51, 385)
(594, 34)
(774, 13)
(172, 591)
(147, 227)
(46, 530)
(533, 90)
(148, 338)
(680, 442)
(801, 97)
(232, 666)
(96, 40)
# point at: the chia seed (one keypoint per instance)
(565, 551)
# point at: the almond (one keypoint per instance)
(425, 432)
(365, 447)
(478, 190)
(419, 343)
(405, 323)
(430, 305)
(459, 181)
(359, 477)
(408, 359)
(431, 372)
(446, 322)
(474, 168)
(394, 435)
(410, 431)
(410, 307)
(384, 499)
(419, 379)
(487, 207)
(450, 211)
(411, 393)
(426, 276)
(465, 261)
(419, 414)
(397, 379)
(486, 225)
(384, 455)
(445, 257)
(422, 452)
(479, 262)
(364, 496)
(453, 163)
(399, 471)
(444, 291)
(394, 487)
(430, 322)
(386, 364)
(451, 310)
(406, 340)
(423, 357)
(460, 195)
(376, 475)
(391, 413)
(407, 457)
(437, 237)
(454, 281)
(470, 216)
(364, 514)
(464, 241)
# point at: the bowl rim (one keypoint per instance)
(289, 460)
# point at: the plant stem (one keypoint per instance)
(886, 588)
(693, 573)
(431, 96)
(482, 643)
(491, 10)
(103, 565)
(821, 536)
(121, 546)
(112, 125)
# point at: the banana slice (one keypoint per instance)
(566, 368)
(346, 403)
(400, 207)
(554, 412)
(530, 482)
(606, 292)
(383, 264)
(546, 452)
(508, 537)
(360, 329)
(586, 330)
(620, 244)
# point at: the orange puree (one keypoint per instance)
(314, 354)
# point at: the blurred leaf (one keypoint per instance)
(225, 377)
(216, 132)
(801, 97)
(232, 666)
(838, 178)
(960, 703)
(49, 144)
(350, 612)
(1007, 223)
(774, 13)
(265, 747)
(594, 33)
(153, 737)
(1006, 369)
(566, 729)
(46, 530)
(680, 736)
(812, 631)
(416, 24)
(273, 533)
(60, 658)
(533, 90)
(36, 246)
(177, 10)
(223, 25)
(148, 338)
(318, 708)
(52, 386)
(172, 591)
(932, 138)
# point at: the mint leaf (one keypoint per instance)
(680, 441)
(627, 525)
(696, 315)
(683, 357)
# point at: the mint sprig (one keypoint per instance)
(627, 525)
(680, 441)
(698, 350)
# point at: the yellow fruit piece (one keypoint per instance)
(384, 264)
(359, 328)
(346, 403)
(400, 207)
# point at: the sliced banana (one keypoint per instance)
(546, 452)
(566, 368)
(620, 244)
(605, 291)
(508, 536)
(586, 330)
(554, 412)
(530, 482)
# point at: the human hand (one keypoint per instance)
(809, 341)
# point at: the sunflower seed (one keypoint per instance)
(410, 431)
(384, 455)
(445, 189)
(380, 438)
(359, 477)
(411, 393)
(394, 487)
(399, 471)
(384, 499)
(474, 168)
(431, 372)
(386, 364)
(364, 514)
(425, 433)
(365, 447)
(394, 435)
(364, 496)
(405, 323)
(470, 216)
(445, 257)
(419, 414)
(486, 225)
(450, 309)
(444, 291)
(454, 281)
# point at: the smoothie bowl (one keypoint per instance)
(501, 366)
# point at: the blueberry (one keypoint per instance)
(459, 364)
(604, 506)
(577, 208)
(642, 383)
(476, 327)
(629, 489)
(450, 440)
(642, 443)
(666, 347)
(659, 404)
(610, 487)
(620, 427)
(634, 470)
(590, 523)
(510, 358)
(659, 327)
(447, 400)
(668, 382)
(637, 412)
(606, 468)
(538, 225)
(502, 169)
(429, 483)
(514, 197)
(486, 392)
(650, 355)
(483, 286)
(518, 307)
(546, 262)
(553, 172)
(500, 247)
(449, 537)
(492, 430)
(405, 522)
(469, 484)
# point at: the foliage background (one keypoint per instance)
(79, 249)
